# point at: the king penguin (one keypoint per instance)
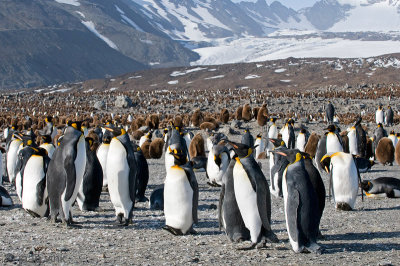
(302, 139)
(389, 116)
(32, 165)
(259, 145)
(252, 196)
(330, 112)
(121, 171)
(12, 155)
(229, 216)
(92, 183)
(331, 142)
(344, 179)
(301, 205)
(217, 163)
(65, 172)
(277, 166)
(102, 153)
(272, 134)
(181, 196)
(380, 115)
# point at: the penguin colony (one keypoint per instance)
(54, 162)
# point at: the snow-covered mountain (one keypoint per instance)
(204, 20)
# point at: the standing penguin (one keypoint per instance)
(379, 133)
(181, 196)
(302, 139)
(259, 145)
(380, 115)
(121, 171)
(292, 137)
(301, 205)
(353, 143)
(389, 116)
(252, 195)
(144, 138)
(12, 155)
(277, 166)
(361, 136)
(344, 179)
(331, 142)
(285, 132)
(217, 163)
(142, 174)
(32, 165)
(229, 216)
(393, 138)
(102, 153)
(92, 182)
(329, 112)
(65, 172)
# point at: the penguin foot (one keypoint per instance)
(343, 206)
(273, 238)
(127, 221)
(119, 219)
(261, 245)
(142, 199)
(315, 248)
(252, 246)
(174, 231)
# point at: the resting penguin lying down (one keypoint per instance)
(381, 187)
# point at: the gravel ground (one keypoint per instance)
(369, 235)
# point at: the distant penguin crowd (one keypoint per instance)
(55, 161)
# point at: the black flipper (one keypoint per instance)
(293, 201)
(69, 167)
(195, 187)
(40, 187)
(221, 200)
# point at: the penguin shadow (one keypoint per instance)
(332, 248)
(208, 224)
(382, 209)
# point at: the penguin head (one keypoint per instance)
(241, 150)
(107, 136)
(392, 132)
(75, 124)
(365, 185)
(48, 119)
(116, 131)
(326, 162)
(303, 130)
(27, 140)
(331, 128)
(379, 125)
(277, 143)
(273, 119)
(292, 155)
(46, 139)
(259, 136)
(179, 156)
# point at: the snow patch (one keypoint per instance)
(69, 2)
(252, 77)
(173, 82)
(280, 70)
(216, 77)
(182, 73)
(90, 26)
(286, 80)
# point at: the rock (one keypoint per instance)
(9, 257)
(100, 105)
(123, 102)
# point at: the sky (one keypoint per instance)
(295, 4)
